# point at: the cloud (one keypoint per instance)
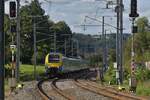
(88, 0)
(73, 12)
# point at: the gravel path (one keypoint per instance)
(29, 92)
(81, 94)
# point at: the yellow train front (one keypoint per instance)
(53, 63)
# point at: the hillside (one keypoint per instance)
(93, 43)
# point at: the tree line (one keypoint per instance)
(45, 28)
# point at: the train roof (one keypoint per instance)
(57, 53)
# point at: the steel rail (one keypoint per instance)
(53, 84)
(61, 92)
(93, 87)
(41, 91)
(121, 94)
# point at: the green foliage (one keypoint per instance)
(142, 74)
(143, 88)
(112, 55)
(141, 47)
(63, 32)
(30, 14)
(27, 72)
(7, 38)
(90, 44)
(95, 60)
(110, 75)
(141, 24)
(8, 71)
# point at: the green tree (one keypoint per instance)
(62, 31)
(27, 13)
(141, 24)
(141, 48)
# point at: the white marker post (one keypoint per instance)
(12, 80)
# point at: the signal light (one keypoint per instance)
(134, 29)
(133, 9)
(12, 9)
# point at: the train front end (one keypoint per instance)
(53, 63)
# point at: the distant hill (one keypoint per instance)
(93, 43)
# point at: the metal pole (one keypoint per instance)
(65, 47)
(133, 81)
(72, 48)
(103, 32)
(121, 41)
(18, 41)
(132, 46)
(13, 60)
(1, 49)
(55, 42)
(34, 35)
(77, 48)
(105, 50)
(117, 41)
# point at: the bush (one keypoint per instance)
(142, 74)
(110, 76)
(8, 71)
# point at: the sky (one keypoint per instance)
(73, 12)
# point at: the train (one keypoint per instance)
(53, 63)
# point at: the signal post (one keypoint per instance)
(133, 15)
(12, 80)
(13, 30)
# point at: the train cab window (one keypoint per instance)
(54, 58)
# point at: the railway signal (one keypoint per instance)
(12, 10)
(134, 29)
(133, 15)
(133, 67)
(12, 80)
(133, 9)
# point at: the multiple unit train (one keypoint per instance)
(54, 63)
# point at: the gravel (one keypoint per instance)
(81, 94)
(48, 89)
(29, 92)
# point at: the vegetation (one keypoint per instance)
(141, 47)
(45, 27)
(91, 44)
(90, 47)
(143, 88)
(142, 55)
(27, 72)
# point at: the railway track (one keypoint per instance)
(72, 75)
(94, 87)
(58, 90)
(41, 91)
(68, 75)
(84, 84)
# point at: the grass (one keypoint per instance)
(27, 72)
(143, 88)
(29, 69)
